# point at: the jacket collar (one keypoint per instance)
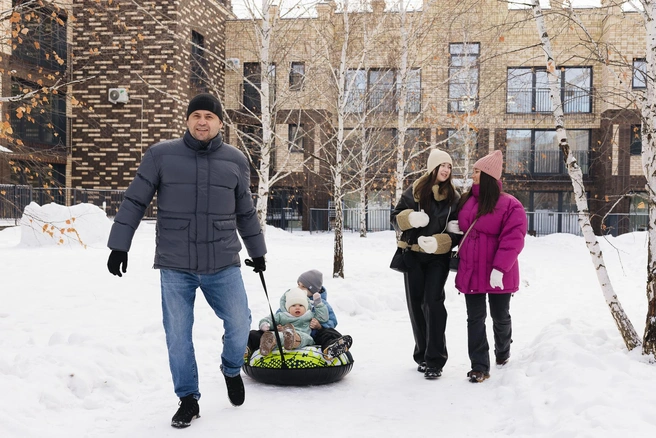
(198, 146)
(436, 187)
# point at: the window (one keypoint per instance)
(39, 119)
(381, 91)
(198, 63)
(457, 142)
(356, 89)
(635, 147)
(537, 151)
(297, 76)
(377, 90)
(251, 139)
(463, 77)
(413, 82)
(528, 90)
(295, 135)
(253, 84)
(44, 44)
(639, 73)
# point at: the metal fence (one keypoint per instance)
(541, 223)
(323, 219)
(14, 199)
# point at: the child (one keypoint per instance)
(332, 342)
(294, 324)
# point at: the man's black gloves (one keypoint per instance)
(258, 264)
(116, 259)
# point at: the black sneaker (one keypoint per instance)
(340, 346)
(187, 411)
(236, 392)
(421, 367)
(432, 373)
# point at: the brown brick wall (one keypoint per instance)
(147, 51)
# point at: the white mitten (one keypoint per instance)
(428, 244)
(265, 326)
(453, 227)
(316, 298)
(496, 279)
(418, 219)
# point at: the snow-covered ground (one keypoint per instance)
(82, 353)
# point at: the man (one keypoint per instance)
(203, 199)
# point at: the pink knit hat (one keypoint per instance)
(492, 164)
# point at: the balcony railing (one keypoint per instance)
(538, 101)
(543, 162)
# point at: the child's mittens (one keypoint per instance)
(265, 326)
(316, 298)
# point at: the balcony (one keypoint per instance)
(524, 101)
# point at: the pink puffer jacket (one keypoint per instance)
(494, 242)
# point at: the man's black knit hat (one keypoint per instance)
(207, 102)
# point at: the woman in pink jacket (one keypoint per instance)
(488, 262)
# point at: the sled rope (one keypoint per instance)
(273, 322)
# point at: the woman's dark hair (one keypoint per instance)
(425, 189)
(488, 195)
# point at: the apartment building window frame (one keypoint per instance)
(528, 91)
(296, 75)
(539, 154)
(381, 84)
(376, 90)
(45, 123)
(199, 79)
(296, 137)
(252, 83)
(455, 144)
(464, 77)
(639, 76)
(45, 44)
(635, 145)
(413, 99)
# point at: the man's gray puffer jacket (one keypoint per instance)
(203, 199)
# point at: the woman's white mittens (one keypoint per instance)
(418, 219)
(453, 227)
(428, 244)
(496, 279)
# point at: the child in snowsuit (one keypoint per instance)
(324, 333)
(294, 324)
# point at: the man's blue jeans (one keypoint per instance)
(226, 295)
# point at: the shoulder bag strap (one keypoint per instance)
(465, 236)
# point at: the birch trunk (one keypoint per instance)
(338, 168)
(267, 131)
(649, 168)
(629, 335)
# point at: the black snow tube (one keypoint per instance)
(305, 366)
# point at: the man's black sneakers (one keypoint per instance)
(187, 411)
(235, 388)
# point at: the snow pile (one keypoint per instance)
(54, 224)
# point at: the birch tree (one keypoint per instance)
(269, 37)
(629, 335)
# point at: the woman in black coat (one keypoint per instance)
(422, 217)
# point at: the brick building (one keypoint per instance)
(478, 83)
(475, 82)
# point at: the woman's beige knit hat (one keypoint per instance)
(436, 158)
